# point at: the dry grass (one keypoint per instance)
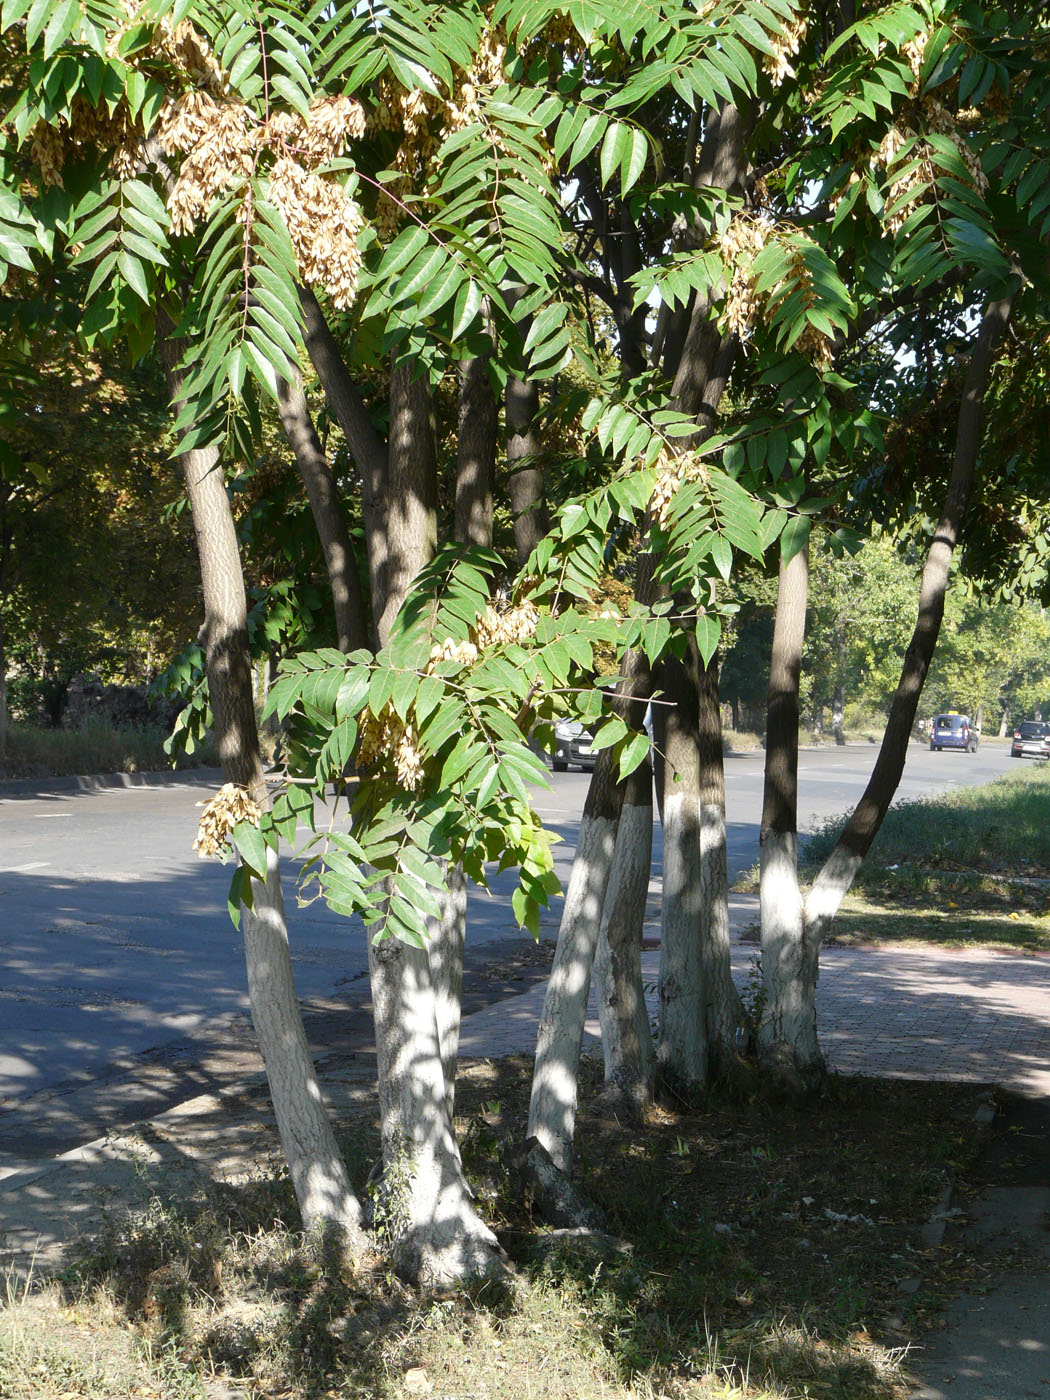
(753, 1250)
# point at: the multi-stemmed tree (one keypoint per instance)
(693, 207)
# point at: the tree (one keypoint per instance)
(461, 189)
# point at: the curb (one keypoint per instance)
(98, 782)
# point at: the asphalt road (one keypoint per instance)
(117, 943)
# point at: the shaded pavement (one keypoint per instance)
(913, 1012)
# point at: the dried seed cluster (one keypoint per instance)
(387, 738)
(740, 245)
(230, 806)
(672, 472)
(913, 185)
(785, 47)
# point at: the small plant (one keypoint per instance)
(753, 996)
(391, 1217)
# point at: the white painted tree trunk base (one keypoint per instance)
(787, 1036)
(681, 1051)
(552, 1110)
(326, 1199)
(626, 1038)
(424, 1208)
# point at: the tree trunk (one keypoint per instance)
(681, 1049)
(834, 880)
(525, 484)
(424, 1204)
(366, 448)
(322, 1187)
(329, 521)
(792, 1042)
(436, 1234)
(476, 454)
(787, 1036)
(627, 1045)
(552, 1109)
(723, 1010)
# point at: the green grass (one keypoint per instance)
(96, 747)
(968, 868)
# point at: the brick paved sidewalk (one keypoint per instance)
(913, 1013)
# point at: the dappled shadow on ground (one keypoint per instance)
(743, 1240)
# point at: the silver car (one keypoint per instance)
(1031, 739)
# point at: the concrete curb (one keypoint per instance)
(98, 782)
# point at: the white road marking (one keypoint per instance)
(30, 865)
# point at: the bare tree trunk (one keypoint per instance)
(330, 523)
(476, 454)
(322, 1187)
(368, 451)
(834, 880)
(723, 1011)
(525, 486)
(626, 1040)
(438, 1236)
(791, 1042)
(787, 1037)
(681, 1049)
(552, 1109)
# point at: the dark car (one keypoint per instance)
(953, 731)
(572, 744)
(1031, 739)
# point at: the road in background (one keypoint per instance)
(117, 941)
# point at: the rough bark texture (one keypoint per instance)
(787, 1037)
(322, 1187)
(626, 1040)
(329, 520)
(525, 483)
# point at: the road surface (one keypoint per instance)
(117, 942)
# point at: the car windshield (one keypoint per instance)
(1034, 729)
(950, 722)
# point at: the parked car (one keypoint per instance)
(1031, 739)
(954, 731)
(572, 744)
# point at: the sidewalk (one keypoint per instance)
(913, 1013)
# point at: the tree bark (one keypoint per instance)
(366, 447)
(552, 1108)
(723, 1011)
(626, 1040)
(681, 1048)
(329, 520)
(787, 1036)
(791, 1041)
(525, 485)
(322, 1187)
(437, 1236)
(476, 454)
